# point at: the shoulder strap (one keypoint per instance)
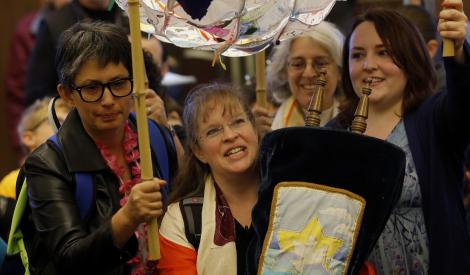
(157, 141)
(83, 197)
(52, 114)
(15, 239)
(83, 186)
(191, 210)
(160, 140)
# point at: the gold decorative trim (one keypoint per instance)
(315, 186)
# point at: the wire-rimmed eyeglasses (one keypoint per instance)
(299, 64)
(216, 131)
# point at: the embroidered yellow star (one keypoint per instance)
(311, 244)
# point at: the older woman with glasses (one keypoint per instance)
(221, 168)
(294, 66)
(97, 138)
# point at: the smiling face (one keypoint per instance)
(369, 58)
(107, 114)
(306, 50)
(227, 139)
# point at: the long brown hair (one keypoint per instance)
(408, 50)
(200, 105)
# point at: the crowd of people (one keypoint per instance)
(420, 102)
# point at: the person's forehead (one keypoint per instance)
(93, 69)
(219, 109)
(307, 47)
(365, 33)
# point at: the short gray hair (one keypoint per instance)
(326, 34)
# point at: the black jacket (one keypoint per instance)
(57, 240)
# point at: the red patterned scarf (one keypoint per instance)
(140, 264)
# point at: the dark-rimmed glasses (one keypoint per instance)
(94, 92)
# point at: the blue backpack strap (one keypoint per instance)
(83, 193)
(160, 151)
(83, 186)
(157, 142)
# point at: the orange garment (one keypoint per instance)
(212, 256)
(176, 259)
(179, 260)
(367, 269)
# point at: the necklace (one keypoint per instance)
(140, 264)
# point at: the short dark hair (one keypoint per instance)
(408, 51)
(83, 41)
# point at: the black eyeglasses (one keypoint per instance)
(94, 92)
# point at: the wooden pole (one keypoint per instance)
(448, 48)
(261, 80)
(138, 74)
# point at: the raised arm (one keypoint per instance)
(453, 26)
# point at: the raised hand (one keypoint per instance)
(453, 25)
(263, 119)
(155, 107)
(145, 201)
(144, 204)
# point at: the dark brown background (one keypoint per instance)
(10, 12)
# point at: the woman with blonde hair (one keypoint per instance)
(33, 130)
(221, 166)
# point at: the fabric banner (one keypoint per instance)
(312, 229)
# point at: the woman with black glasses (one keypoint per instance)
(98, 139)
